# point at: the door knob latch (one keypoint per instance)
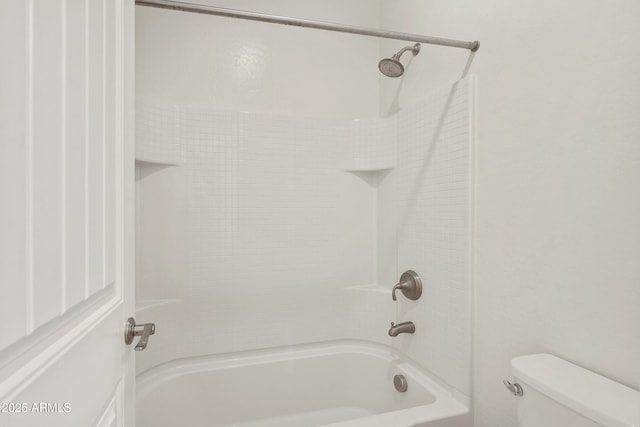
(143, 331)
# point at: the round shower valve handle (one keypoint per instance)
(410, 285)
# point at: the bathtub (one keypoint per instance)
(338, 384)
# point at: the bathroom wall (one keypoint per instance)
(272, 215)
(424, 225)
(192, 59)
(250, 221)
(557, 228)
(253, 222)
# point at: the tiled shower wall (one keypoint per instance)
(425, 204)
(268, 219)
(264, 200)
(250, 241)
(274, 208)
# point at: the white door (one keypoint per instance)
(66, 210)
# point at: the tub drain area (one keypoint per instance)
(400, 383)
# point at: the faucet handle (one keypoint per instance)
(410, 285)
(393, 291)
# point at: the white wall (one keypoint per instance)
(558, 208)
(251, 239)
(193, 59)
(424, 221)
(266, 228)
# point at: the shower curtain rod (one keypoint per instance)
(275, 19)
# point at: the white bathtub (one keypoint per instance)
(339, 384)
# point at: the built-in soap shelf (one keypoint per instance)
(143, 161)
(369, 169)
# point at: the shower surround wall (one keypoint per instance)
(424, 224)
(235, 65)
(290, 224)
(263, 236)
(251, 66)
(255, 234)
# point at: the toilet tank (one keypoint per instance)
(557, 393)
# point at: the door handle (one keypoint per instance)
(143, 331)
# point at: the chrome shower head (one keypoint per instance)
(392, 67)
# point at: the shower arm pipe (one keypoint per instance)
(275, 19)
(415, 50)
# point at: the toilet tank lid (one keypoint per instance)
(591, 395)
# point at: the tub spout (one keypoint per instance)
(401, 328)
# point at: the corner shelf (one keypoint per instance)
(372, 169)
(155, 162)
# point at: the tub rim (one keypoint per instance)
(448, 401)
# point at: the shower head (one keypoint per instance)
(392, 67)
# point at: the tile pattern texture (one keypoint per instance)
(271, 218)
